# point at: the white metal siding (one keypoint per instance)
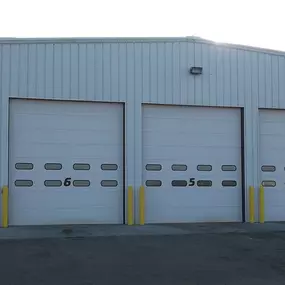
(139, 72)
(111, 71)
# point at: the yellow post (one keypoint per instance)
(130, 206)
(141, 205)
(251, 204)
(261, 204)
(5, 207)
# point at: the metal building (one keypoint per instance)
(194, 122)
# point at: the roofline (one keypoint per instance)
(79, 40)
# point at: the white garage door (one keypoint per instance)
(65, 163)
(272, 163)
(192, 164)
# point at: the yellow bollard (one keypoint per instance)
(141, 204)
(251, 204)
(130, 206)
(261, 204)
(5, 207)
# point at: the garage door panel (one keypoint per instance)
(195, 138)
(187, 197)
(275, 142)
(74, 133)
(191, 139)
(272, 162)
(185, 155)
(65, 137)
(63, 150)
(274, 206)
(189, 125)
(197, 209)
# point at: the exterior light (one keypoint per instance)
(196, 70)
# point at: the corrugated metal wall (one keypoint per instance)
(143, 72)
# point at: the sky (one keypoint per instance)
(247, 22)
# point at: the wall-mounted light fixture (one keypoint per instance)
(196, 70)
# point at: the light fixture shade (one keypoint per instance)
(196, 70)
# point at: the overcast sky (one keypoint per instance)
(249, 22)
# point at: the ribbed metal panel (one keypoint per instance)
(138, 71)
(113, 71)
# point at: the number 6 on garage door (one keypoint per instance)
(67, 181)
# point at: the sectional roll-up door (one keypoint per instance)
(65, 162)
(272, 162)
(192, 164)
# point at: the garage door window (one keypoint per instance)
(153, 167)
(24, 166)
(153, 183)
(81, 183)
(268, 183)
(52, 183)
(107, 166)
(109, 183)
(268, 168)
(24, 183)
(204, 183)
(229, 183)
(179, 183)
(229, 168)
(203, 167)
(179, 167)
(53, 166)
(81, 166)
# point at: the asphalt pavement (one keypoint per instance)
(212, 255)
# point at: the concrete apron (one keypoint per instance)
(85, 231)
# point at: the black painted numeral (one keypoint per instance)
(67, 181)
(191, 182)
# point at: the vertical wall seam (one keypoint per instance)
(179, 72)
(216, 77)
(10, 69)
(278, 85)
(149, 69)
(164, 83)
(86, 73)
(172, 73)
(209, 66)
(45, 72)
(53, 71)
(265, 80)
(27, 69)
(37, 71)
(119, 63)
(202, 81)
(78, 70)
(187, 83)
(223, 78)
(230, 75)
(110, 75)
(157, 73)
(194, 80)
(70, 71)
(257, 101)
(62, 73)
(19, 68)
(237, 66)
(103, 70)
(271, 77)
